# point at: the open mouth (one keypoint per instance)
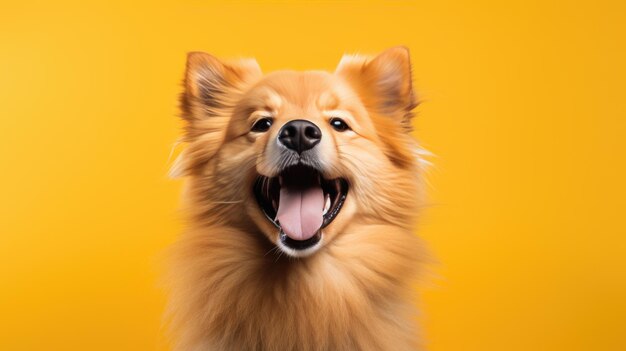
(300, 203)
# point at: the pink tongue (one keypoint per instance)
(300, 211)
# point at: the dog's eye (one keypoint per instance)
(339, 125)
(262, 125)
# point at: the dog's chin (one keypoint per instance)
(300, 203)
(299, 248)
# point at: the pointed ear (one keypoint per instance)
(213, 84)
(211, 90)
(384, 82)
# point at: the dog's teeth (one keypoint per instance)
(327, 205)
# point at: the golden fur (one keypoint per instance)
(231, 287)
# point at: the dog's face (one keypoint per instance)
(299, 156)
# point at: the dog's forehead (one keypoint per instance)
(305, 90)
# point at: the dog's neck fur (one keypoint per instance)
(238, 293)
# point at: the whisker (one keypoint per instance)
(270, 250)
(280, 253)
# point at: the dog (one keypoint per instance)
(302, 192)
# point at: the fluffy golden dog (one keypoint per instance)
(302, 193)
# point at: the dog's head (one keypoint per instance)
(299, 156)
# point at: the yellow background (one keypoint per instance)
(523, 108)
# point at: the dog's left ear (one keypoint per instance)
(384, 81)
(385, 86)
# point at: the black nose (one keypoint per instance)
(299, 135)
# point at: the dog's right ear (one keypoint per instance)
(212, 86)
(211, 89)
